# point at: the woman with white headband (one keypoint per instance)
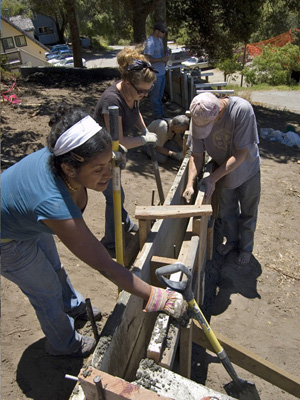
(45, 194)
(137, 79)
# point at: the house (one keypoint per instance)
(45, 29)
(23, 23)
(19, 46)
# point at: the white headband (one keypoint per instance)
(75, 136)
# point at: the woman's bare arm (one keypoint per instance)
(77, 237)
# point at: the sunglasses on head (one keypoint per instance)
(138, 65)
(141, 91)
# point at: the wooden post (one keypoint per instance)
(186, 351)
(144, 229)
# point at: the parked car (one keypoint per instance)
(69, 62)
(60, 57)
(57, 51)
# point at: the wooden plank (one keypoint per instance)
(187, 255)
(209, 84)
(173, 211)
(131, 250)
(144, 229)
(157, 262)
(251, 362)
(202, 257)
(128, 329)
(207, 74)
(185, 367)
(113, 388)
(216, 91)
(169, 352)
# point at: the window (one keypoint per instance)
(20, 41)
(45, 30)
(8, 43)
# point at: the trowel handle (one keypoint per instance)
(183, 287)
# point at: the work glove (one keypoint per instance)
(120, 156)
(169, 301)
(149, 138)
(177, 156)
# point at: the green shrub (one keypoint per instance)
(273, 66)
(229, 66)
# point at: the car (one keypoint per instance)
(60, 57)
(57, 51)
(69, 62)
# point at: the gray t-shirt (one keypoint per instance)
(237, 129)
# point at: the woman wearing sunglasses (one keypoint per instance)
(137, 79)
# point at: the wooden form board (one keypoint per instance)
(173, 211)
(251, 362)
(126, 334)
(193, 255)
(98, 385)
(216, 91)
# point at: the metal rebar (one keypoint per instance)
(99, 387)
(91, 318)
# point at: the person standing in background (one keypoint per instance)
(156, 54)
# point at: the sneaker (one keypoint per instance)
(87, 346)
(96, 312)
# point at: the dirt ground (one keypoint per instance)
(258, 306)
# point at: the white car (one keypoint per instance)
(69, 62)
(60, 58)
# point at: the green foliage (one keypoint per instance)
(277, 17)
(273, 66)
(229, 65)
(215, 27)
(108, 19)
(15, 7)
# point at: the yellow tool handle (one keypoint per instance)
(114, 132)
(205, 326)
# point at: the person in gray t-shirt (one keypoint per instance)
(226, 129)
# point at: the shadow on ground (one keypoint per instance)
(42, 377)
(223, 277)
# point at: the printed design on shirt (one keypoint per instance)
(221, 139)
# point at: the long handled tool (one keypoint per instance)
(157, 175)
(238, 388)
(114, 132)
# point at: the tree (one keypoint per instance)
(54, 10)
(74, 30)
(214, 28)
(11, 8)
(140, 9)
(276, 18)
